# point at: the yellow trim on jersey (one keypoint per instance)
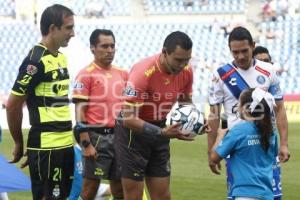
(53, 63)
(47, 149)
(17, 93)
(133, 104)
(77, 96)
(56, 139)
(53, 89)
(54, 114)
(90, 68)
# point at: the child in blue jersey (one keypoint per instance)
(252, 145)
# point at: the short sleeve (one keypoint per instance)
(28, 77)
(81, 87)
(215, 90)
(136, 87)
(229, 143)
(274, 88)
(189, 87)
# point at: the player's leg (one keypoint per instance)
(89, 188)
(133, 189)
(158, 188)
(116, 189)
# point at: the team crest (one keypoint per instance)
(261, 79)
(56, 191)
(31, 69)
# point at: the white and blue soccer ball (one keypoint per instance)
(190, 118)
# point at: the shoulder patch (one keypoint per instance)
(37, 53)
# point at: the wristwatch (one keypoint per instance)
(85, 143)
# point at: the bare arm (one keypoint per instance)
(214, 158)
(213, 122)
(282, 125)
(14, 112)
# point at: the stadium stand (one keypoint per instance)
(165, 7)
(7, 8)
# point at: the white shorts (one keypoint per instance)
(245, 198)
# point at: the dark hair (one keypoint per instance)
(263, 119)
(240, 33)
(54, 15)
(95, 34)
(175, 39)
(261, 49)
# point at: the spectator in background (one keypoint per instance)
(95, 8)
(262, 53)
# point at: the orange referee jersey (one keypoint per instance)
(154, 90)
(102, 90)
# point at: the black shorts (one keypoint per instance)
(142, 155)
(105, 166)
(51, 172)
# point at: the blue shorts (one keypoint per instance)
(276, 179)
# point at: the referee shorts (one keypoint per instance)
(142, 155)
(105, 166)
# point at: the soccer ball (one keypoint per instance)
(190, 118)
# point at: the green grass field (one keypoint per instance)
(191, 178)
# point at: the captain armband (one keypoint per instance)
(151, 129)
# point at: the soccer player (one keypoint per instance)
(98, 99)
(252, 146)
(231, 79)
(154, 85)
(261, 53)
(43, 82)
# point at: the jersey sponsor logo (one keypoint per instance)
(31, 69)
(233, 81)
(56, 88)
(129, 91)
(261, 79)
(150, 71)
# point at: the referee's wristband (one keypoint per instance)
(151, 129)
